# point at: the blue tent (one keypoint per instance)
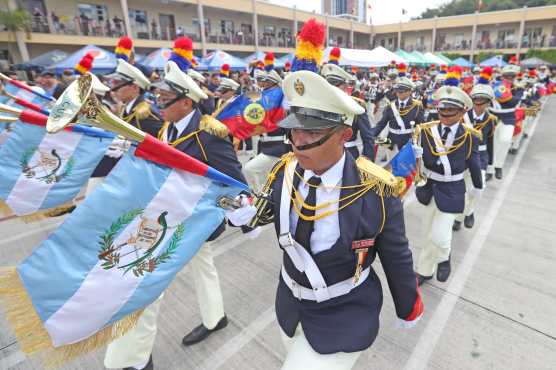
(157, 59)
(255, 56)
(105, 61)
(44, 60)
(214, 61)
(496, 61)
(462, 62)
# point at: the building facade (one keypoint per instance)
(244, 26)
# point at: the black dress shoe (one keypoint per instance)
(149, 366)
(469, 221)
(421, 279)
(525, 136)
(513, 151)
(488, 177)
(200, 333)
(456, 226)
(498, 173)
(443, 271)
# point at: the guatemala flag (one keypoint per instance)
(115, 254)
(245, 118)
(40, 170)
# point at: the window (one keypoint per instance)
(197, 25)
(226, 27)
(247, 29)
(138, 20)
(269, 30)
(97, 13)
(458, 38)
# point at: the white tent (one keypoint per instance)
(378, 57)
(434, 59)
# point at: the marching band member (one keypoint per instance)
(479, 118)
(447, 148)
(329, 297)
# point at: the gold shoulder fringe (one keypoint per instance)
(473, 131)
(5, 209)
(492, 117)
(142, 110)
(379, 179)
(429, 124)
(359, 101)
(213, 126)
(34, 339)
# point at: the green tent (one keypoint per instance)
(412, 60)
(421, 58)
(448, 61)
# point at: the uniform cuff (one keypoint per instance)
(418, 307)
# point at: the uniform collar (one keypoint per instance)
(331, 177)
(453, 129)
(182, 124)
(405, 102)
(129, 105)
(480, 118)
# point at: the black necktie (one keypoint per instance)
(304, 228)
(172, 133)
(402, 105)
(445, 134)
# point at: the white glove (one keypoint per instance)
(402, 324)
(254, 234)
(242, 216)
(475, 193)
(417, 151)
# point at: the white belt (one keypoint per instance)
(482, 148)
(265, 139)
(350, 144)
(442, 178)
(507, 110)
(400, 131)
(334, 290)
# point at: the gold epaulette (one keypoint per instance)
(429, 124)
(213, 126)
(142, 110)
(380, 180)
(492, 117)
(477, 133)
(361, 102)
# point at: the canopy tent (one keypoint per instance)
(215, 59)
(462, 62)
(433, 59)
(378, 57)
(157, 59)
(413, 60)
(495, 61)
(419, 56)
(534, 62)
(44, 60)
(105, 61)
(447, 60)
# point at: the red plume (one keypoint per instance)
(313, 32)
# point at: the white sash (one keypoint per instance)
(397, 116)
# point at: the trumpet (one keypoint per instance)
(419, 178)
(78, 99)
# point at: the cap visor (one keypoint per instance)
(161, 85)
(304, 123)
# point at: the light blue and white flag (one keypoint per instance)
(120, 249)
(40, 170)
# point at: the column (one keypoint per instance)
(521, 31)
(474, 37)
(400, 36)
(294, 29)
(433, 41)
(255, 25)
(201, 18)
(48, 18)
(125, 11)
(351, 36)
(19, 36)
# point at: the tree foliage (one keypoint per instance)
(459, 7)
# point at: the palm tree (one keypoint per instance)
(15, 21)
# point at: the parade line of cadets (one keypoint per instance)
(461, 124)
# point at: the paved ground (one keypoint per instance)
(497, 311)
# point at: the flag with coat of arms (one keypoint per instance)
(89, 281)
(245, 117)
(40, 171)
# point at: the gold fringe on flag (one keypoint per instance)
(5, 209)
(33, 339)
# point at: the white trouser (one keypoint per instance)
(502, 142)
(93, 183)
(136, 346)
(437, 239)
(528, 124)
(300, 355)
(257, 170)
(471, 197)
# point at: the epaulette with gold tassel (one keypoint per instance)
(213, 126)
(473, 131)
(359, 101)
(379, 180)
(142, 110)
